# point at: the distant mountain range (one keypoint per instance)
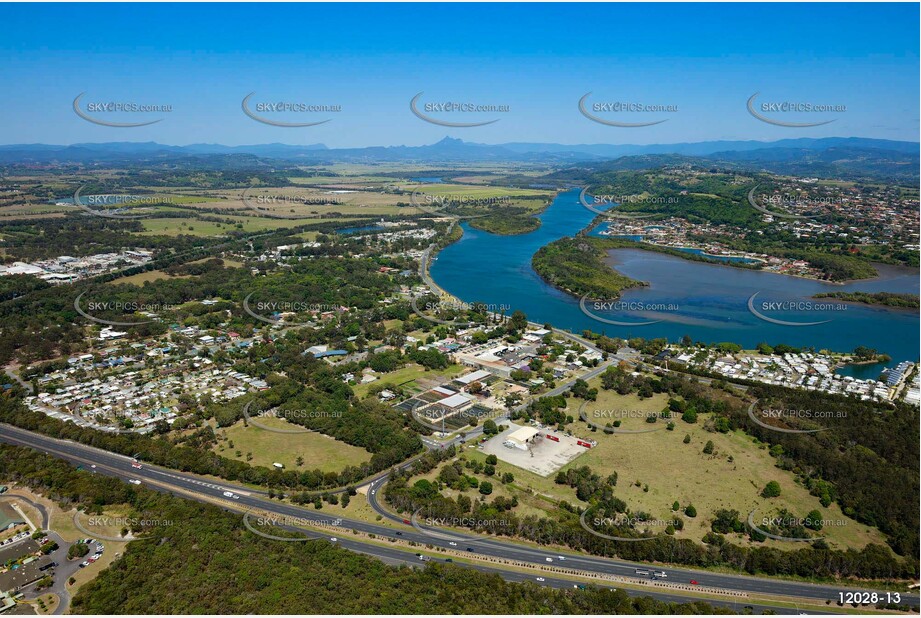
(852, 156)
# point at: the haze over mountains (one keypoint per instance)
(853, 157)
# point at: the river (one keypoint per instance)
(708, 302)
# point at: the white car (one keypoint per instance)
(548, 559)
(560, 558)
(333, 539)
(135, 482)
(541, 579)
(452, 544)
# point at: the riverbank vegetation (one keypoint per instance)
(884, 299)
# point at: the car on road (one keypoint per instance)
(452, 544)
(333, 539)
(407, 522)
(659, 574)
(560, 558)
(548, 559)
(84, 564)
(449, 560)
(136, 465)
(135, 482)
(93, 466)
(398, 533)
(541, 579)
(694, 582)
(469, 549)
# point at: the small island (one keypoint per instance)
(576, 266)
(506, 225)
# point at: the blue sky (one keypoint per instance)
(538, 59)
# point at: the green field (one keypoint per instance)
(408, 378)
(267, 447)
(731, 478)
(192, 227)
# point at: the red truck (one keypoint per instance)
(554, 438)
(583, 443)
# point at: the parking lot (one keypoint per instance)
(544, 456)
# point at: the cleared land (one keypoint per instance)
(732, 477)
(320, 452)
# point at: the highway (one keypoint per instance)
(205, 489)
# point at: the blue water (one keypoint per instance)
(431, 180)
(711, 298)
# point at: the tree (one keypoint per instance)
(708, 447)
(519, 320)
(675, 505)
(771, 490)
(687, 438)
(492, 459)
(485, 488)
(814, 520)
(690, 511)
(78, 550)
(689, 416)
(490, 429)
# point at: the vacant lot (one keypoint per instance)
(320, 452)
(194, 227)
(656, 469)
